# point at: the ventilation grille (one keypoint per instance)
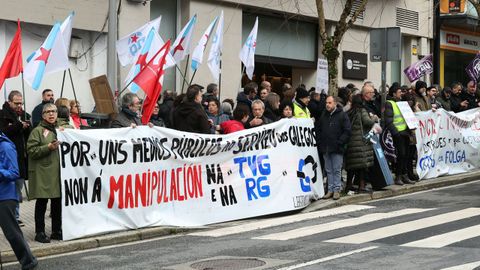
(355, 7)
(407, 18)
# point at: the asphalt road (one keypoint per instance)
(436, 229)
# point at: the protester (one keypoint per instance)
(368, 93)
(288, 92)
(240, 117)
(262, 94)
(155, 119)
(128, 115)
(166, 108)
(9, 174)
(444, 98)
(267, 86)
(15, 126)
(215, 116)
(257, 118)
(272, 103)
(227, 109)
(432, 98)
(333, 132)
(248, 95)
(316, 105)
(286, 108)
(359, 154)
(189, 115)
(212, 92)
(397, 126)
(47, 97)
(421, 96)
(300, 103)
(75, 115)
(457, 102)
(471, 96)
(412, 147)
(44, 174)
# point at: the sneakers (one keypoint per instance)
(336, 195)
(42, 238)
(328, 195)
(20, 223)
(406, 180)
(56, 236)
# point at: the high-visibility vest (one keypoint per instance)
(398, 120)
(299, 112)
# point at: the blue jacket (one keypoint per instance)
(8, 169)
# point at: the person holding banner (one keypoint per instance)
(397, 126)
(128, 116)
(44, 174)
(444, 98)
(470, 95)
(421, 96)
(456, 100)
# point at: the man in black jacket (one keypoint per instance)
(14, 123)
(333, 133)
(457, 102)
(47, 97)
(470, 95)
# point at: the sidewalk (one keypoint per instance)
(57, 247)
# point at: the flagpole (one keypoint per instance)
(193, 76)
(24, 98)
(63, 82)
(5, 91)
(241, 78)
(186, 67)
(73, 87)
(220, 78)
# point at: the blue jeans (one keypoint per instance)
(333, 167)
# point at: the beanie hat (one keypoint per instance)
(301, 93)
(419, 85)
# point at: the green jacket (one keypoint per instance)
(359, 155)
(43, 164)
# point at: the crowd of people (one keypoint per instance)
(341, 124)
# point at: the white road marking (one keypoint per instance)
(329, 258)
(339, 224)
(446, 239)
(467, 266)
(280, 221)
(405, 227)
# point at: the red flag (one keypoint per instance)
(150, 79)
(13, 63)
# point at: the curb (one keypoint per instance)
(149, 233)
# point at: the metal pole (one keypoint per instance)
(112, 38)
(24, 99)
(186, 68)
(220, 79)
(436, 45)
(63, 82)
(73, 88)
(384, 79)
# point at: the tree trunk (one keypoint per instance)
(332, 76)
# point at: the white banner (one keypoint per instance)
(447, 143)
(128, 178)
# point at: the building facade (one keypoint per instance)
(287, 46)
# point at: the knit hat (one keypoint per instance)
(301, 93)
(419, 85)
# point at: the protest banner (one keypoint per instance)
(419, 69)
(128, 178)
(447, 143)
(322, 76)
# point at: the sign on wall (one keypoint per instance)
(354, 65)
(130, 178)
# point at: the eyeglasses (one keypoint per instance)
(50, 111)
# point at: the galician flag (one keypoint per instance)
(52, 56)
(150, 80)
(215, 56)
(197, 55)
(247, 54)
(152, 44)
(130, 46)
(181, 46)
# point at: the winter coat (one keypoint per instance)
(217, 120)
(231, 126)
(8, 169)
(359, 154)
(243, 99)
(271, 113)
(455, 101)
(157, 121)
(43, 163)
(190, 116)
(372, 107)
(11, 125)
(316, 107)
(165, 111)
(423, 103)
(472, 100)
(264, 119)
(333, 131)
(125, 118)
(77, 121)
(444, 102)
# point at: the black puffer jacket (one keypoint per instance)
(333, 131)
(191, 117)
(359, 154)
